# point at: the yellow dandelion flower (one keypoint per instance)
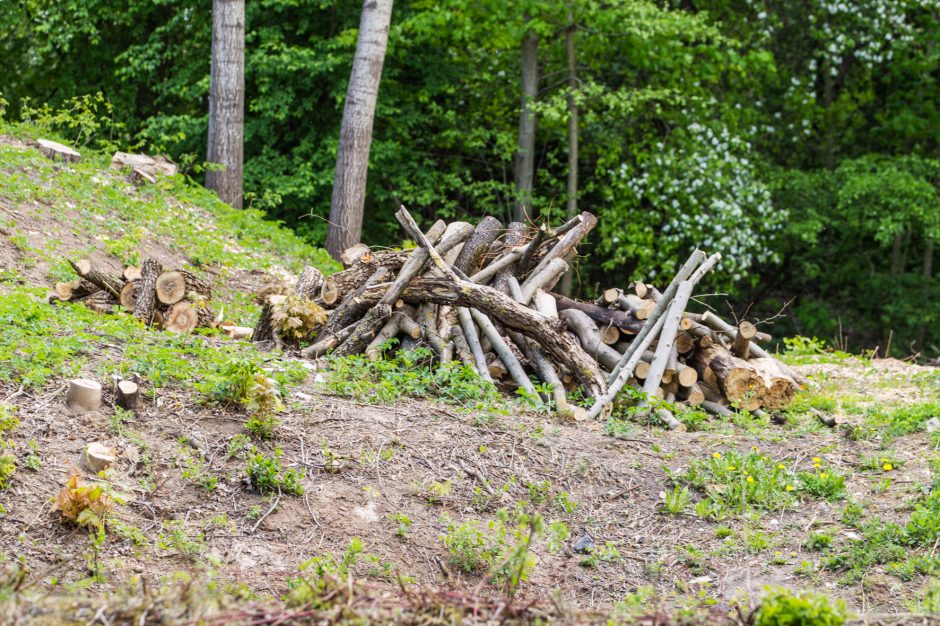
(731, 467)
(755, 448)
(750, 479)
(717, 455)
(781, 466)
(816, 459)
(778, 553)
(822, 475)
(789, 487)
(887, 467)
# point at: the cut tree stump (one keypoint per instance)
(128, 396)
(128, 296)
(99, 457)
(58, 152)
(83, 395)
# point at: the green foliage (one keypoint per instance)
(736, 483)
(781, 607)
(195, 470)
(677, 499)
(7, 469)
(825, 483)
(412, 373)
(607, 553)
(319, 573)
(265, 474)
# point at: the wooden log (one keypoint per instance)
(354, 306)
(462, 348)
(327, 341)
(406, 322)
(667, 337)
(484, 234)
(696, 259)
(545, 303)
(601, 315)
(739, 383)
(128, 396)
(516, 235)
(426, 318)
(692, 395)
(86, 270)
(100, 301)
(385, 334)
(309, 283)
(128, 295)
(173, 286)
(780, 387)
(740, 347)
(263, 332)
(131, 272)
(350, 255)
(640, 289)
(610, 335)
(503, 351)
(503, 262)
(99, 457)
(754, 350)
(473, 341)
(686, 376)
(146, 294)
(83, 395)
(182, 317)
(640, 308)
(589, 335)
(496, 369)
(544, 279)
(717, 409)
(564, 248)
(362, 334)
(685, 343)
(666, 416)
(641, 371)
(75, 289)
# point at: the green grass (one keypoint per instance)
(43, 344)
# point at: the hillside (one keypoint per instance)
(390, 475)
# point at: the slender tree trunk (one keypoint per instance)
(227, 101)
(572, 208)
(525, 152)
(355, 135)
(927, 273)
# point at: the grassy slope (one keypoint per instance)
(368, 469)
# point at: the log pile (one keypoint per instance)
(174, 300)
(484, 295)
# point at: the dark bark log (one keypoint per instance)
(146, 297)
(564, 248)
(227, 100)
(309, 283)
(353, 305)
(326, 342)
(602, 315)
(362, 334)
(485, 233)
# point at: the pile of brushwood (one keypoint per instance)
(175, 300)
(484, 295)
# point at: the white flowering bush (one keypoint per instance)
(699, 190)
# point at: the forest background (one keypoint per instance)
(800, 138)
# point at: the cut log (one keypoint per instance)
(129, 294)
(754, 350)
(590, 337)
(780, 387)
(153, 166)
(685, 343)
(86, 270)
(173, 286)
(131, 272)
(503, 351)
(128, 396)
(385, 334)
(462, 348)
(740, 347)
(686, 376)
(485, 233)
(692, 395)
(83, 395)
(505, 261)
(406, 322)
(349, 256)
(75, 289)
(309, 283)
(739, 382)
(667, 337)
(182, 317)
(100, 302)
(55, 151)
(717, 409)
(363, 333)
(544, 279)
(327, 341)
(516, 236)
(601, 315)
(545, 303)
(146, 294)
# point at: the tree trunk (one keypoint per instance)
(572, 206)
(227, 100)
(525, 152)
(355, 135)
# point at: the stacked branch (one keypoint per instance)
(483, 295)
(174, 300)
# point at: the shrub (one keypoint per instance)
(781, 607)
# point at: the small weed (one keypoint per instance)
(404, 524)
(825, 483)
(818, 542)
(608, 553)
(194, 469)
(676, 500)
(265, 474)
(175, 536)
